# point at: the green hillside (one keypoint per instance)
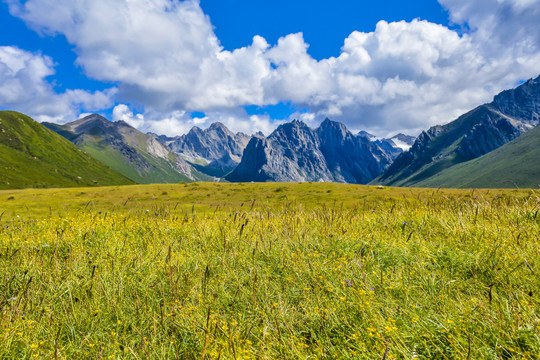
(515, 164)
(153, 170)
(34, 156)
(136, 155)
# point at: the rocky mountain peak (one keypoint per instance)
(213, 151)
(334, 126)
(332, 132)
(93, 121)
(217, 126)
(138, 156)
(296, 135)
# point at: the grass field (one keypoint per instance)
(269, 271)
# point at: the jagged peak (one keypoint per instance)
(531, 87)
(195, 130)
(218, 125)
(533, 81)
(333, 129)
(298, 124)
(330, 123)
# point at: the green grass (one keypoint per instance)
(269, 271)
(34, 156)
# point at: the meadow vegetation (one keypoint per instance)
(269, 271)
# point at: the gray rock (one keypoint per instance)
(294, 152)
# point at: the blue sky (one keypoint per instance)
(325, 24)
(166, 65)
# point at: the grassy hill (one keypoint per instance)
(515, 164)
(34, 156)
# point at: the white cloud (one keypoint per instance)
(180, 122)
(122, 112)
(24, 87)
(403, 76)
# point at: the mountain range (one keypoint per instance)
(295, 152)
(486, 128)
(329, 153)
(493, 145)
(515, 164)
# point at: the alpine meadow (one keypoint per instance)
(269, 271)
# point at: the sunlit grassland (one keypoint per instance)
(269, 271)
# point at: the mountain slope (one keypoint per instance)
(214, 151)
(294, 152)
(33, 156)
(138, 156)
(515, 164)
(489, 126)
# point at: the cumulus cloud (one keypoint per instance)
(500, 23)
(122, 112)
(403, 76)
(24, 87)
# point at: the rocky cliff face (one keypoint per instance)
(215, 150)
(521, 103)
(294, 152)
(472, 135)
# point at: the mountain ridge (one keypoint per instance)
(475, 133)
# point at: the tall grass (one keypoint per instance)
(446, 275)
